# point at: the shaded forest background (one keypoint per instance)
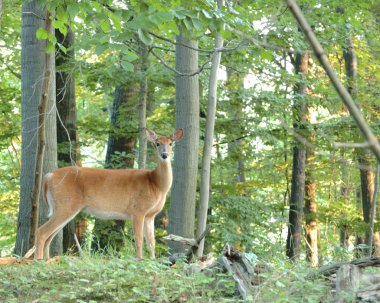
(280, 183)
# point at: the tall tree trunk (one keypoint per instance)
(67, 134)
(364, 156)
(344, 192)
(311, 221)
(234, 86)
(209, 139)
(297, 196)
(110, 233)
(33, 65)
(143, 93)
(182, 203)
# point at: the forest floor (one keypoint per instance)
(119, 279)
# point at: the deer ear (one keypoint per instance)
(177, 135)
(151, 135)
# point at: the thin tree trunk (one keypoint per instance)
(182, 203)
(143, 52)
(209, 137)
(344, 192)
(297, 196)
(41, 135)
(33, 66)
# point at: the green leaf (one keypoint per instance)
(188, 24)
(61, 14)
(61, 26)
(161, 17)
(197, 24)
(50, 47)
(206, 14)
(100, 48)
(144, 38)
(127, 66)
(73, 10)
(62, 48)
(105, 25)
(42, 34)
(266, 55)
(116, 21)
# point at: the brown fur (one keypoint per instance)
(109, 194)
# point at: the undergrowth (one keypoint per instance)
(101, 279)
(113, 279)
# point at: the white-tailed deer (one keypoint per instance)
(109, 194)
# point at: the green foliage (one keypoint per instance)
(243, 222)
(94, 279)
(293, 283)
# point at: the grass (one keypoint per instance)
(97, 279)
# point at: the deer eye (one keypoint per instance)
(170, 144)
(157, 144)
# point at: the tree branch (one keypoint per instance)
(340, 89)
(177, 72)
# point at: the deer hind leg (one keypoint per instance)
(46, 232)
(149, 235)
(138, 233)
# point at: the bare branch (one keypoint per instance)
(177, 72)
(337, 145)
(17, 75)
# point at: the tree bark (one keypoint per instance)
(67, 134)
(234, 85)
(182, 203)
(364, 156)
(297, 196)
(143, 93)
(209, 135)
(344, 192)
(110, 233)
(311, 221)
(33, 65)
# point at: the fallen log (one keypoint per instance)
(363, 262)
(369, 294)
(193, 243)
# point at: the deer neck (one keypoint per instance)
(163, 175)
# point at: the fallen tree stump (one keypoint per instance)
(240, 268)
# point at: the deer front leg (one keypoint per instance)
(138, 233)
(149, 235)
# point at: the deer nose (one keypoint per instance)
(164, 155)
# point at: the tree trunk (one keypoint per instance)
(311, 221)
(182, 203)
(364, 156)
(67, 134)
(209, 139)
(344, 192)
(110, 233)
(33, 65)
(234, 85)
(297, 196)
(143, 52)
